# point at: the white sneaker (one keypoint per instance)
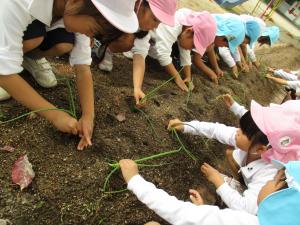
(3, 94)
(128, 54)
(107, 63)
(41, 70)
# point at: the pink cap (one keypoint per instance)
(164, 10)
(281, 124)
(204, 27)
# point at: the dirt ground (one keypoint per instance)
(68, 185)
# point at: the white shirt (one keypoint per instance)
(15, 16)
(255, 174)
(164, 37)
(179, 212)
(285, 75)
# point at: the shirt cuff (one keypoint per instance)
(234, 107)
(134, 182)
(224, 189)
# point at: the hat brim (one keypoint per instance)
(257, 113)
(127, 24)
(162, 16)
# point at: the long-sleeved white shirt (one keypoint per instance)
(179, 212)
(285, 75)
(163, 39)
(255, 174)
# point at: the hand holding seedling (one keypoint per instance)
(64, 122)
(228, 100)
(129, 169)
(219, 72)
(271, 70)
(175, 124)
(180, 83)
(138, 95)
(212, 175)
(269, 76)
(85, 130)
(195, 197)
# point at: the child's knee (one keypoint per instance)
(122, 44)
(152, 223)
(63, 48)
(31, 44)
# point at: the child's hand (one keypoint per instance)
(269, 76)
(189, 83)
(246, 68)
(235, 72)
(219, 72)
(65, 123)
(196, 197)
(271, 70)
(212, 175)
(214, 78)
(181, 84)
(228, 100)
(175, 124)
(129, 169)
(85, 130)
(138, 95)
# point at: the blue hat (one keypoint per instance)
(282, 207)
(273, 33)
(232, 28)
(252, 31)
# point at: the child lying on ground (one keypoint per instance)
(294, 84)
(252, 153)
(278, 204)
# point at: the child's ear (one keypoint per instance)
(190, 31)
(261, 149)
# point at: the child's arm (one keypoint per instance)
(220, 132)
(21, 91)
(233, 106)
(285, 75)
(252, 57)
(276, 79)
(204, 68)
(175, 211)
(186, 62)
(213, 60)
(177, 78)
(85, 87)
(231, 197)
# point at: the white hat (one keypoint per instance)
(120, 13)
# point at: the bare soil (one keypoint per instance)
(68, 185)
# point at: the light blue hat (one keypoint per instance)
(273, 33)
(232, 28)
(252, 31)
(283, 207)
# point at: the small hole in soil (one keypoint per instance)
(156, 103)
(145, 143)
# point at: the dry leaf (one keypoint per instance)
(121, 117)
(22, 172)
(7, 148)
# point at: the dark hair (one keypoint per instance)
(141, 34)
(264, 40)
(251, 130)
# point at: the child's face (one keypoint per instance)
(242, 141)
(272, 186)
(186, 39)
(263, 40)
(246, 40)
(221, 41)
(147, 20)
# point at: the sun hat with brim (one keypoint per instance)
(281, 124)
(232, 28)
(204, 27)
(252, 31)
(282, 207)
(273, 33)
(119, 13)
(164, 10)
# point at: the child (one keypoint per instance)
(191, 30)
(85, 18)
(270, 36)
(253, 31)
(278, 204)
(293, 84)
(150, 14)
(286, 74)
(252, 154)
(230, 33)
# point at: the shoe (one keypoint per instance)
(107, 63)
(41, 71)
(128, 54)
(3, 94)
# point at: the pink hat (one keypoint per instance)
(164, 10)
(204, 27)
(281, 124)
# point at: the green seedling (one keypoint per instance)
(148, 119)
(140, 162)
(151, 94)
(190, 87)
(71, 111)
